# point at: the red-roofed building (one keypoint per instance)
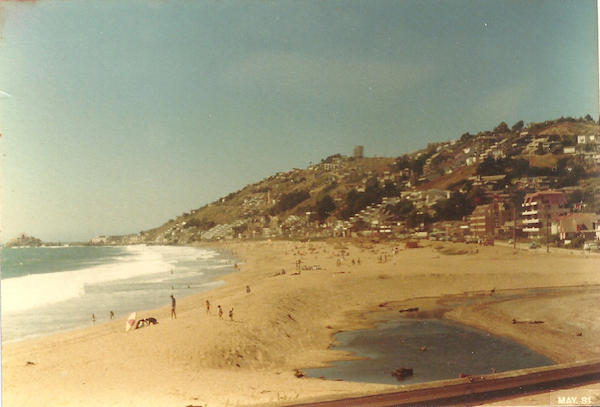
(578, 224)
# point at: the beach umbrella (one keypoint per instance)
(130, 321)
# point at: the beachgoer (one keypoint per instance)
(173, 305)
(208, 308)
(231, 314)
(220, 311)
(247, 288)
(112, 315)
(93, 318)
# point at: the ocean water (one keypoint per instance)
(449, 349)
(45, 290)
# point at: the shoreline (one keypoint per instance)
(287, 322)
(119, 281)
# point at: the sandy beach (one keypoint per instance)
(287, 321)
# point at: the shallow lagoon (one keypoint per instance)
(449, 349)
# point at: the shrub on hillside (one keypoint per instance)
(290, 201)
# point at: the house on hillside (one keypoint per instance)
(573, 225)
(588, 139)
(536, 144)
(425, 198)
(99, 240)
(487, 181)
(537, 183)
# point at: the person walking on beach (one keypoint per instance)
(231, 314)
(112, 315)
(220, 311)
(208, 308)
(173, 305)
(93, 318)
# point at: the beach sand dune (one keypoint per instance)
(286, 322)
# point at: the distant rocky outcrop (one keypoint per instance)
(24, 241)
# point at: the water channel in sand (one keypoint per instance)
(436, 349)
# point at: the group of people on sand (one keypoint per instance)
(219, 309)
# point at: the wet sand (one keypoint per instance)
(287, 321)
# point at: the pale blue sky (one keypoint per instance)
(119, 115)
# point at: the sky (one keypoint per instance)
(118, 115)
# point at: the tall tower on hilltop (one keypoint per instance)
(358, 151)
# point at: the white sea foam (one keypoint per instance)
(142, 279)
(39, 290)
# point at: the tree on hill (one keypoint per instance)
(575, 197)
(512, 167)
(202, 224)
(590, 199)
(331, 158)
(518, 126)
(417, 164)
(390, 189)
(324, 208)
(457, 206)
(519, 168)
(502, 128)
(401, 163)
(569, 172)
(290, 201)
(466, 138)
(401, 209)
(416, 219)
(492, 166)
(357, 201)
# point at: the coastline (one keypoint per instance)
(287, 322)
(51, 290)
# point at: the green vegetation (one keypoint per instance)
(290, 201)
(374, 194)
(324, 208)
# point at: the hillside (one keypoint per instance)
(333, 196)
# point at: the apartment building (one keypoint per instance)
(488, 220)
(539, 208)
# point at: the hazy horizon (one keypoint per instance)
(118, 116)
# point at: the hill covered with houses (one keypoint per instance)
(478, 185)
